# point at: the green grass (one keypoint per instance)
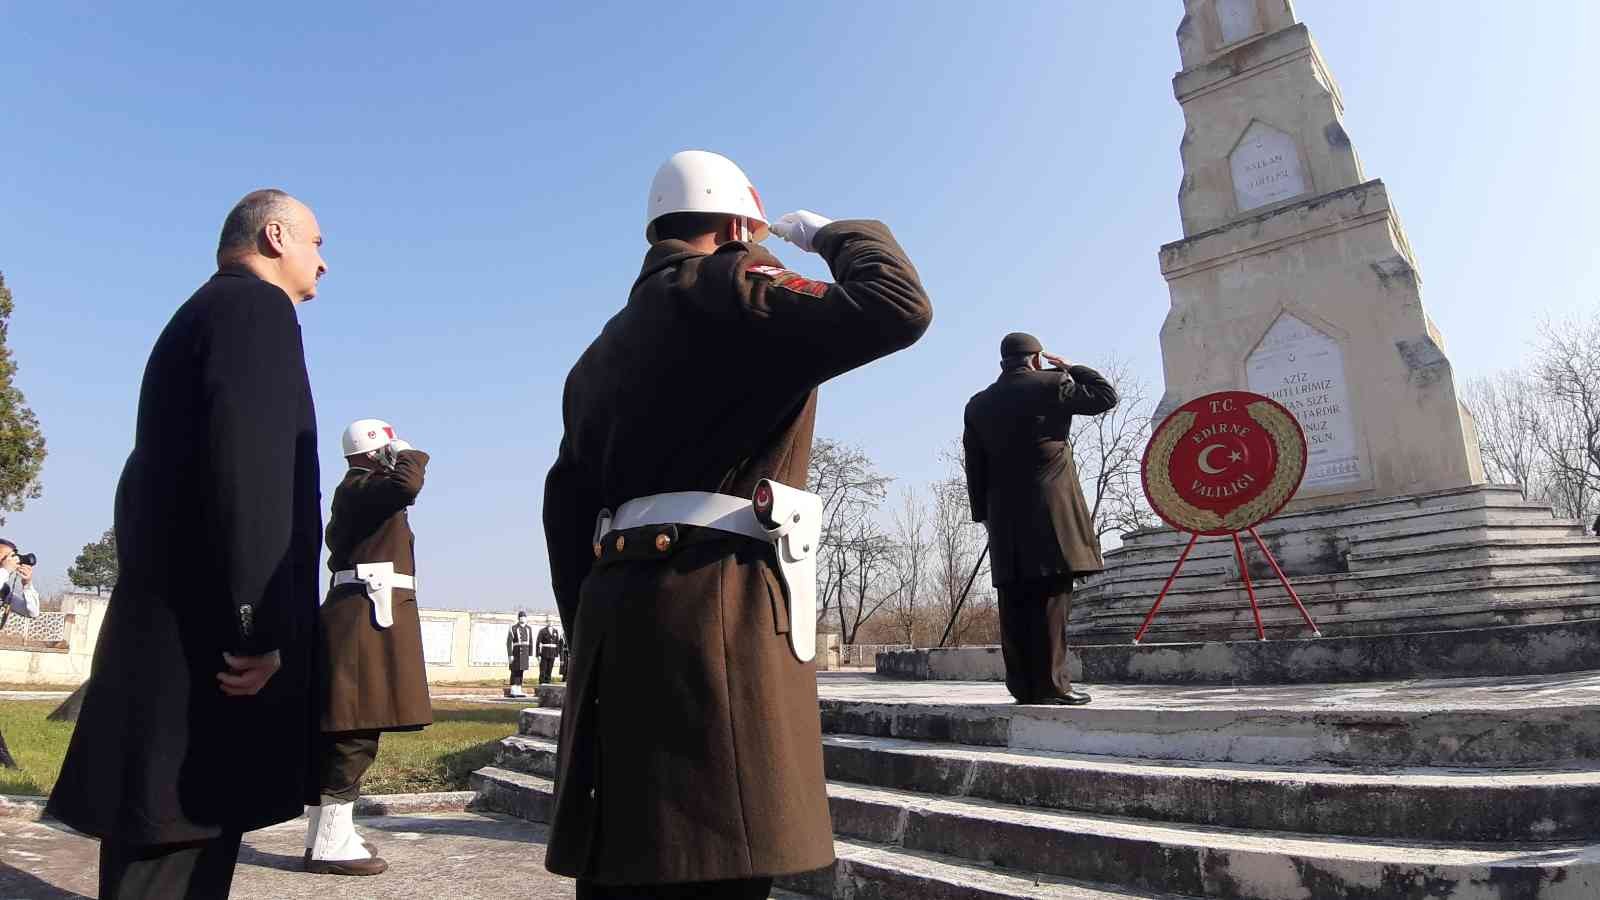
(37, 745)
(463, 737)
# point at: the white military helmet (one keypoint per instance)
(704, 182)
(367, 435)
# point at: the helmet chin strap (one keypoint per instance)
(744, 230)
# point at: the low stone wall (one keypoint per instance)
(57, 647)
(1503, 651)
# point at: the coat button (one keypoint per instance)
(663, 542)
(621, 542)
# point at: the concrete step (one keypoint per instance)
(1511, 650)
(1210, 862)
(868, 871)
(1550, 803)
(1430, 574)
(861, 870)
(1465, 502)
(512, 793)
(1519, 551)
(1447, 524)
(539, 723)
(1505, 650)
(1387, 539)
(1553, 803)
(1280, 621)
(1546, 720)
(1224, 608)
(964, 838)
(528, 755)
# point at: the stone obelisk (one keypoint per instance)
(1294, 278)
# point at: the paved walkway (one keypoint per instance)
(458, 856)
(1575, 689)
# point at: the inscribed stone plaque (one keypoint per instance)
(438, 640)
(1266, 167)
(488, 646)
(1237, 18)
(1302, 368)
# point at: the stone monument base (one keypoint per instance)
(1470, 558)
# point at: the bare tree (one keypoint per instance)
(1108, 449)
(959, 546)
(913, 552)
(868, 581)
(1506, 406)
(1566, 428)
(852, 489)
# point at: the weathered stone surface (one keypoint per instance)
(1425, 804)
(1513, 650)
(551, 695)
(1464, 722)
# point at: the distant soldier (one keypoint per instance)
(1023, 485)
(549, 645)
(377, 679)
(682, 542)
(519, 652)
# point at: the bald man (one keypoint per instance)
(199, 722)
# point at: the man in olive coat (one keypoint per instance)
(199, 720)
(377, 679)
(690, 757)
(1023, 485)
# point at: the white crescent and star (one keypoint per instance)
(1204, 460)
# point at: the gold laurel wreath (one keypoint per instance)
(1158, 478)
(1291, 465)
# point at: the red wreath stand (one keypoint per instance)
(1221, 465)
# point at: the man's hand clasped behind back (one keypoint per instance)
(247, 675)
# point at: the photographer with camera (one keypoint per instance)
(17, 594)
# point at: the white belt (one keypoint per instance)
(795, 536)
(380, 580)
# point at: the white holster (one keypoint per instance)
(380, 580)
(795, 532)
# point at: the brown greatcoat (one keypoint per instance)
(704, 760)
(376, 678)
(1021, 478)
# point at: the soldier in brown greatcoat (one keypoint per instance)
(376, 678)
(690, 746)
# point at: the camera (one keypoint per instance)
(27, 559)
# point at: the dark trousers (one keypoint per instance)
(1033, 637)
(516, 676)
(546, 663)
(346, 756)
(201, 870)
(742, 889)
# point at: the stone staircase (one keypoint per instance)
(1470, 558)
(1458, 788)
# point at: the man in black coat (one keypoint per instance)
(1023, 485)
(200, 718)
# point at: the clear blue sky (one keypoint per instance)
(480, 172)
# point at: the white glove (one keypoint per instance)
(800, 228)
(389, 455)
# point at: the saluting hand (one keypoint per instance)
(1056, 361)
(800, 228)
(247, 675)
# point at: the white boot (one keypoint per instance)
(313, 822)
(336, 849)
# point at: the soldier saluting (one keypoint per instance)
(681, 542)
(376, 678)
